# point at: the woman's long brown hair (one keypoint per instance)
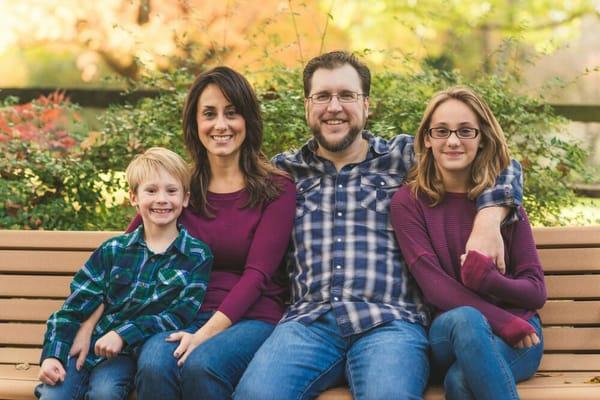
(257, 170)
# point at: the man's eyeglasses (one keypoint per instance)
(343, 97)
(461, 133)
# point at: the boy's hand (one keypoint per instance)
(109, 345)
(52, 371)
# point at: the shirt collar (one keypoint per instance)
(181, 242)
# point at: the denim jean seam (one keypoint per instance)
(325, 371)
(508, 375)
(81, 387)
(125, 390)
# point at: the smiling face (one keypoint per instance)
(336, 126)
(159, 199)
(221, 128)
(453, 156)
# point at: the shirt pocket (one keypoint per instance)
(376, 190)
(308, 196)
(120, 284)
(171, 280)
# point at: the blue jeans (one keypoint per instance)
(478, 364)
(212, 370)
(110, 380)
(300, 361)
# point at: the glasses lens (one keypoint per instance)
(467, 133)
(321, 97)
(439, 133)
(347, 97)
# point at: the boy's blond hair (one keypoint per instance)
(151, 161)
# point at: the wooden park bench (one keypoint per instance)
(36, 268)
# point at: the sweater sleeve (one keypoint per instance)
(439, 288)
(523, 286)
(267, 250)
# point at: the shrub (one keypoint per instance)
(88, 175)
(48, 180)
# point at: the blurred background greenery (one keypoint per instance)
(61, 164)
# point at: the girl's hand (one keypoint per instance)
(528, 341)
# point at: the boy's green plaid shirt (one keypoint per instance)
(143, 293)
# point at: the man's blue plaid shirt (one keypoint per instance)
(344, 256)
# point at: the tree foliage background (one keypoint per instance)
(70, 40)
(415, 47)
(82, 187)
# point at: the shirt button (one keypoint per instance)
(339, 214)
(381, 183)
(117, 276)
(338, 266)
(340, 185)
(338, 239)
(336, 298)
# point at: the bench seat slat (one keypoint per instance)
(59, 240)
(19, 355)
(570, 362)
(572, 236)
(573, 286)
(22, 333)
(566, 338)
(556, 260)
(561, 312)
(34, 286)
(28, 309)
(536, 388)
(47, 261)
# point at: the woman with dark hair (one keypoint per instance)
(486, 334)
(243, 208)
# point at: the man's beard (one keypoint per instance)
(341, 144)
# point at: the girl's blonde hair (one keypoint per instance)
(492, 157)
(151, 161)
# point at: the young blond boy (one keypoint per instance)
(148, 281)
